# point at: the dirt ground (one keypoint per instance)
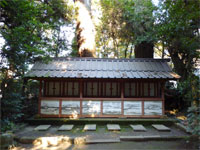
(128, 145)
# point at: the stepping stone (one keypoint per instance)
(90, 127)
(161, 127)
(65, 127)
(138, 127)
(132, 138)
(97, 141)
(42, 127)
(113, 127)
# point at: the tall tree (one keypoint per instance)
(178, 28)
(126, 25)
(85, 31)
(30, 29)
(142, 23)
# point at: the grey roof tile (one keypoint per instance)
(102, 68)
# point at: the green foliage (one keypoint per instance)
(190, 92)
(178, 28)
(74, 52)
(15, 106)
(124, 24)
(194, 120)
(190, 89)
(30, 29)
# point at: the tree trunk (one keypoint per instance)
(85, 30)
(179, 65)
(144, 50)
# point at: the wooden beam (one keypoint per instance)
(106, 116)
(105, 99)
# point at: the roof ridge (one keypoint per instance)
(115, 59)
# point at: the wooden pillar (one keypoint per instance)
(60, 107)
(163, 98)
(155, 95)
(122, 97)
(142, 107)
(148, 83)
(81, 95)
(101, 111)
(39, 98)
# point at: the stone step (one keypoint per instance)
(96, 141)
(138, 127)
(140, 137)
(42, 127)
(113, 127)
(161, 127)
(90, 127)
(65, 127)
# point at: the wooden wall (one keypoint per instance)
(82, 99)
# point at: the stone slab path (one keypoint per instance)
(42, 127)
(138, 127)
(161, 127)
(113, 127)
(90, 127)
(65, 128)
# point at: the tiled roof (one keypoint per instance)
(140, 68)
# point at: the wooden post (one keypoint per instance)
(63, 92)
(54, 88)
(142, 107)
(101, 111)
(60, 107)
(60, 88)
(136, 89)
(163, 98)
(44, 92)
(122, 97)
(48, 88)
(39, 98)
(148, 83)
(81, 95)
(155, 89)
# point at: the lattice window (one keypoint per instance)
(101, 89)
(62, 88)
(142, 89)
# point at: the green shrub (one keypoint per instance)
(194, 120)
